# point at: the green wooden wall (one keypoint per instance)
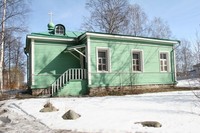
(121, 68)
(50, 61)
(74, 88)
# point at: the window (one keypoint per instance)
(102, 60)
(60, 30)
(164, 62)
(137, 61)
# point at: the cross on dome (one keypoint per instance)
(51, 16)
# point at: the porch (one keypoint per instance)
(73, 80)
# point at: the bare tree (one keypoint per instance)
(137, 24)
(14, 62)
(2, 44)
(119, 16)
(184, 57)
(159, 29)
(178, 61)
(106, 16)
(10, 40)
(197, 49)
(16, 11)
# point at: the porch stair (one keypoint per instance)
(65, 78)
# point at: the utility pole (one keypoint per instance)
(2, 45)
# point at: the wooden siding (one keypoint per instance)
(50, 62)
(74, 88)
(121, 63)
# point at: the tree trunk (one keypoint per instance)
(2, 45)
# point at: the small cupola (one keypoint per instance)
(51, 26)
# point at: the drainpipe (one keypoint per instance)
(27, 65)
(175, 77)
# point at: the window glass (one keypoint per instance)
(163, 62)
(102, 54)
(60, 30)
(136, 61)
(103, 60)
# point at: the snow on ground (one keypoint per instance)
(195, 82)
(178, 112)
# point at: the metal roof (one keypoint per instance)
(68, 34)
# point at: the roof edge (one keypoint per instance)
(120, 36)
(49, 38)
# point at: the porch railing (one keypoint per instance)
(70, 74)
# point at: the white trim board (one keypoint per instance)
(130, 38)
(49, 38)
(32, 62)
(88, 61)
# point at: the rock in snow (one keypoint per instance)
(71, 115)
(149, 124)
(48, 107)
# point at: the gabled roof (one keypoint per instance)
(68, 36)
(77, 36)
(71, 36)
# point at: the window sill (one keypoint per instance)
(103, 71)
(165, 71)
(137, 71)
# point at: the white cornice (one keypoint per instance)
(131, 38)
(49, 38)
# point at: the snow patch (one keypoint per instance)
(176, 111)
(189, 83)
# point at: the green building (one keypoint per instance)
(62, 63)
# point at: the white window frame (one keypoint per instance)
(168, 60)
(108, 59)
(141, 60)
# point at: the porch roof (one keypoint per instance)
(76, 47)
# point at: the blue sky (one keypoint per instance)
(183, 16)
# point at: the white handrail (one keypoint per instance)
(70, 74)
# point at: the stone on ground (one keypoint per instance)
(149, 124)
(5, 119)
(71, 115)
(48, 107)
